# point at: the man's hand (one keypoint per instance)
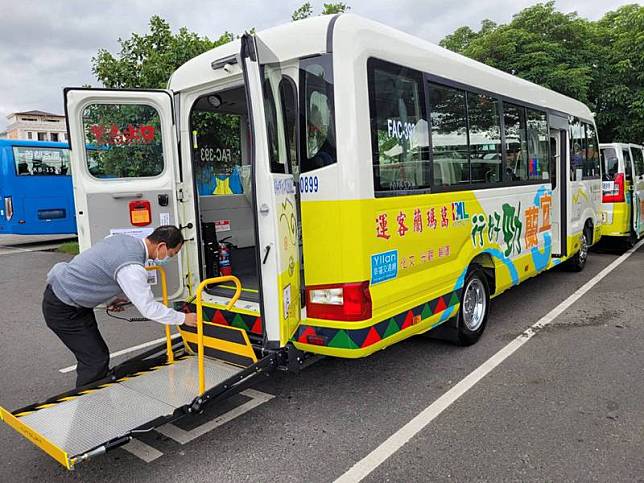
(117, 305)
(191, 320)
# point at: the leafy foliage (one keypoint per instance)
(148, 61)
(306, 11)
(599, 63)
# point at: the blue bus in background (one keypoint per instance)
(36, 195)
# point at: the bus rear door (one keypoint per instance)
(124, 166)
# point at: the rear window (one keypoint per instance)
(611, 163)
(123, 141)
(32, 161)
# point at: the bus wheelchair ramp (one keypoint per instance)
(161, 386)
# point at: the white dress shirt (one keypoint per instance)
(133, 280)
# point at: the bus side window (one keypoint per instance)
(398, 128)
(516, 165)
(450, 153)
(486, 160)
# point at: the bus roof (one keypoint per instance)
(31, 143)
(358, 38)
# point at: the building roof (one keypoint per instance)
(36, 113)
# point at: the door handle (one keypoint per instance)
(118, 196)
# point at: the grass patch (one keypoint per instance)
(69, 247)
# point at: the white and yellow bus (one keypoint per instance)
(623, 191)
(369, 181)
(371, 186)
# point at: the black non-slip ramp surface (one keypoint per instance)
(89, 420)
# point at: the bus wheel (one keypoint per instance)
(475, 303)
(578, 261)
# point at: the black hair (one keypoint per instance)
(168, 234)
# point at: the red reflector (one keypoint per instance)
(616, 195)
(344, 301)
(316, 340)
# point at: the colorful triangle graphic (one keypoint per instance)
(372, 338)
(342, 340)
(409, 320)
(440, 305)
(219, 318)
(257, 326)
(392, 328)
(238, 322)
(427, 312)
(454, 300)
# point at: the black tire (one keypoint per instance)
(578, 261)
(470, 329)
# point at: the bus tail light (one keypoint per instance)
(616, 195)
(345, 301)
(8, 207)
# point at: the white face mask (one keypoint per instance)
(164, 260)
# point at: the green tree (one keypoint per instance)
(617, 91)
(599, 63)
(306, 11)
(148, 61)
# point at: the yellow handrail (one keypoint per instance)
(198, 303)
(164, 292)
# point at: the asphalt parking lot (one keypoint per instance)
(567, 405)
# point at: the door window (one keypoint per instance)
(591, 168)
(638, 161)
(318, 113)
(123, 141)
(538, 162)
(628, 164)
(611, 163)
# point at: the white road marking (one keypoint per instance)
(397, 440)
(4, 250)
(183, 437)
(148, 454)
(142, 451)
(125, 351)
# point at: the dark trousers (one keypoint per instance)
(77, 328)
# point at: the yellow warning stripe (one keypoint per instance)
(36, 438)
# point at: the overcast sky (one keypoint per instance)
(45, 46)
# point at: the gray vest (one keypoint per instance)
(90, 278)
